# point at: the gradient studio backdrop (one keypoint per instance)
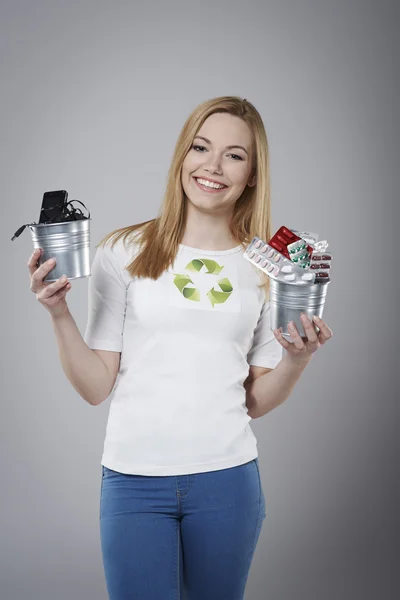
(94, 94)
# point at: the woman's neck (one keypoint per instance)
(208, 232)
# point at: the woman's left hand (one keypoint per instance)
(301, 349)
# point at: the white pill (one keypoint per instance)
(286, 269)
(290, 277)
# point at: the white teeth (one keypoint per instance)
(210, 184)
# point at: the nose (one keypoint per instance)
(213, 165)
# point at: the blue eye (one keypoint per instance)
(195, 147)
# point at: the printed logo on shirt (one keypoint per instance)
(205, 284)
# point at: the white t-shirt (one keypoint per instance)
(178, 405)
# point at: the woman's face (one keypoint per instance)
(225, 157)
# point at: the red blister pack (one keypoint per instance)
(282, 238)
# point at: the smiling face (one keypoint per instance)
(222, 153)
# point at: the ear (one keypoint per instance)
(252, 181)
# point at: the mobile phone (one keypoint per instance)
(53, 206)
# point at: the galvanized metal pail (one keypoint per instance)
(288, 301)
(69, 243)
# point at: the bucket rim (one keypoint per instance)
(61, 223)
(301, 287)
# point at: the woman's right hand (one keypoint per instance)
(51, 295)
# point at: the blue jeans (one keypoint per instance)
(180, 537)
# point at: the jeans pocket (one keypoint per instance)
(106, 472)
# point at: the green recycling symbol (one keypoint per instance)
(183, 281)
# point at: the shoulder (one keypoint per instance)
(112, 257)
(121, 250)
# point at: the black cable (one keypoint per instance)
(74, 214)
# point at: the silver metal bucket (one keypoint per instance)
(288, 301)
(69, 243)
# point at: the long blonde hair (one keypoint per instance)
(159, 238)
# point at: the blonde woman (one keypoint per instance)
(178, 336)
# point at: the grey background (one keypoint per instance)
(94, 95)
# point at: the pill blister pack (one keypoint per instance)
(320, 264)
(291, 258)
(307, 236)
(299, 254)
(276, 265)
(286, 242)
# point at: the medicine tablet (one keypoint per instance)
(264, 248)
(307, 276)
(257, 259)
(251, 254)
(258, 244)
(299, 258)
(286, 269)
(290, 277)
(264, 262)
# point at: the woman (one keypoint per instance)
(178, 334)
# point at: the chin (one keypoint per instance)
(200, 201)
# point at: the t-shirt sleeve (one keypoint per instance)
(265, 351)
(106, 302)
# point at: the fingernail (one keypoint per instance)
(316, 318)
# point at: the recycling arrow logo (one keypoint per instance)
(187, 288)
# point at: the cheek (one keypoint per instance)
(191, 163)
(188, 167)
(237, 174)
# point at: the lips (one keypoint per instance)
(211, 180)
(207, 189)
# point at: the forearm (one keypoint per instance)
(271, 389)
(83, 368)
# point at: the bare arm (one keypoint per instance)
(91, 372)
(266, 389)
(86, 371)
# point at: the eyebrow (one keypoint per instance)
(228, 147)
